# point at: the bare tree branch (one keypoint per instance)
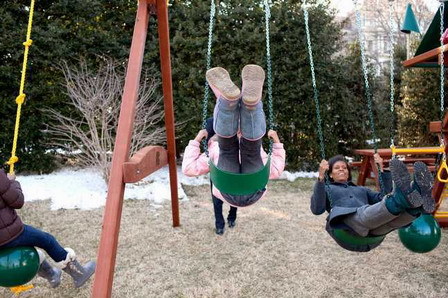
(96, 96)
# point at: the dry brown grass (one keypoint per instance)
(277, 250)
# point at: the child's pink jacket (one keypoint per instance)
(194, 163)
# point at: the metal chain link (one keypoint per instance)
(269, 70)
(208, 65)
(392, 73)
(442, 72)
(316, 100)
(315, 90)
(366, 83)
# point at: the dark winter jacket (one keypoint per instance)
(11, 198)
(345, 198)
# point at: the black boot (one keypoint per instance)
(423, 183)
(50, 273)
(404, 193)
(79, 273)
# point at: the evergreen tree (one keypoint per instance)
(62, 30)
(421, 104)
(68, 30)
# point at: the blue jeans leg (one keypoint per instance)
(232, 214)
(217, 208)
(226, 117)
(253, 121)
(219, 219)
(34, 237)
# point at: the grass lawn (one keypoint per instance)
(278, 249)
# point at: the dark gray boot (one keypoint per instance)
(79, 273)
(404, 194)
(423, 183)
(50, 273)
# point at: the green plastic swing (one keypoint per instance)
(352, 239)
(238, 183)
(341, 235)
(18, 265)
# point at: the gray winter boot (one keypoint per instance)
(79, 273)
(50, 273)
(423, 182)
(404, 193)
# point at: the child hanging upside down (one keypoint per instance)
(13, 233)
(364, 212)
(239, 123)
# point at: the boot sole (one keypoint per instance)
(219, 79)
(402, 180)
(253, 80)
(425, 181)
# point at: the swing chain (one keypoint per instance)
(269, 71)
(316, 100)
(366, 80)
(392, 73)
(366, 84)
(442, 76)
(208, 65)
(315, 90)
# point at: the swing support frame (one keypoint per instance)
(125, 169)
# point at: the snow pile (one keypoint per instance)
(86, 189)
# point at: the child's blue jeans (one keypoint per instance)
(34, 237)
(219, 218)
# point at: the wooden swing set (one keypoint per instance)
(127, 169)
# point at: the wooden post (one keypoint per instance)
(364, 170)
(102, 287)
(165, 59)
(437, 190)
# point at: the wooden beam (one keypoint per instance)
(104, 274)
(167, 86)
(439, 186)
(146, 161)
(443, 222)
(435, 126)
(429, 56)
(445, 121)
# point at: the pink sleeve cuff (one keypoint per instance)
(277, 145)
(194, 143)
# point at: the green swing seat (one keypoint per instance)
(239, 184)
(18, 265)
(347, 237)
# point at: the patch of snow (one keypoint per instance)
(70, 188)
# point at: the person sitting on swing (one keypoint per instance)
(239, 124)
(364, 212)
(13, 233)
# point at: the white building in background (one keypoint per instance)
(375, 23)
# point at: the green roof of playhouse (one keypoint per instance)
(429, 49)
